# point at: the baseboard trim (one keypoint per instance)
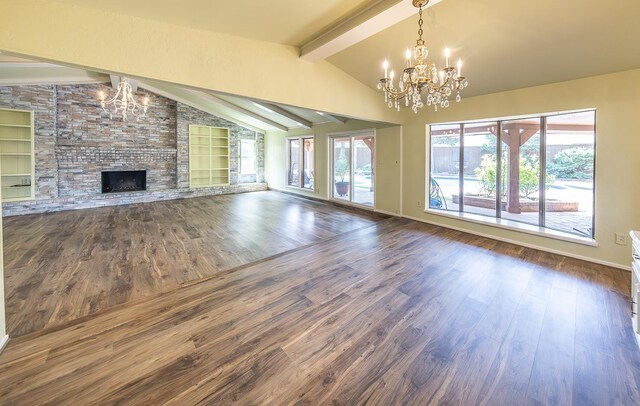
(293, 192)
(3, 342)
(523, 244)
(343, 205)
(388, 213)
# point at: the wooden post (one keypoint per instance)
(517, 136)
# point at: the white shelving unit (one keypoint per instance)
(17, 169)
(208, 156)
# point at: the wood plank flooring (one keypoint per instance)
(398, 312)
(67, 265)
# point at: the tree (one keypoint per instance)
(486, 174)
(451, 140)
(529, 177)
(573, 163)
(341, 167)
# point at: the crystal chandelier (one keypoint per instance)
(123, 102)
(421, 76)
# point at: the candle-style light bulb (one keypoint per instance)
(407, 55)
(391, 75)
(459, 67)
(447, 53)
(441, 76)
(385, 65)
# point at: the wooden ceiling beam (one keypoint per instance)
(249, 113)
(375, 18)
(285, 113)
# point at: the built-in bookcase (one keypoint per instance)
(17, 167)
(208, 156)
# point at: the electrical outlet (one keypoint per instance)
(621, 239)
(419, 203)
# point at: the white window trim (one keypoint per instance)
(349, 134)
(515, 226)
(253, 157)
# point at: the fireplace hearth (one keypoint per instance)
(123, 181)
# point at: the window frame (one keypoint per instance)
(242, 156)
(497, 220)
(351, 135)
(301, 139)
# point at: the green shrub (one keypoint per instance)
(573, 163)
(529, 177)
(486, 174)
(341, 167)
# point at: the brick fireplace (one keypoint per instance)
(75, 143)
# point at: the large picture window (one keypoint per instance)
(534, 170)
(300, 162)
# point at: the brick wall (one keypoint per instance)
(89, 142)
(75, 141)
(42, 100)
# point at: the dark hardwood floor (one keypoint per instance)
(62, 266)
(396, 312)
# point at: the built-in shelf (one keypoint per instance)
(16, 155)
(208, 162)
(16, 125)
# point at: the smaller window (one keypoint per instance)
(247, 157)
(300, 162)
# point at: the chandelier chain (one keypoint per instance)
(420, 32)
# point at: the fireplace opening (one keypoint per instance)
(123, 181)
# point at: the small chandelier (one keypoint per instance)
(123, 102)
(421, 76)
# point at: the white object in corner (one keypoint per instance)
(3, 342)
(635, 282)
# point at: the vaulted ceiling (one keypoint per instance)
(290, 22)
(504, 44)
(256, 115)
(507, 44)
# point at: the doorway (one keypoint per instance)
(352, 168)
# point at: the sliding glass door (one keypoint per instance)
(352, 161)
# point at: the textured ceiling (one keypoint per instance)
(507, 44)
(291, 22)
